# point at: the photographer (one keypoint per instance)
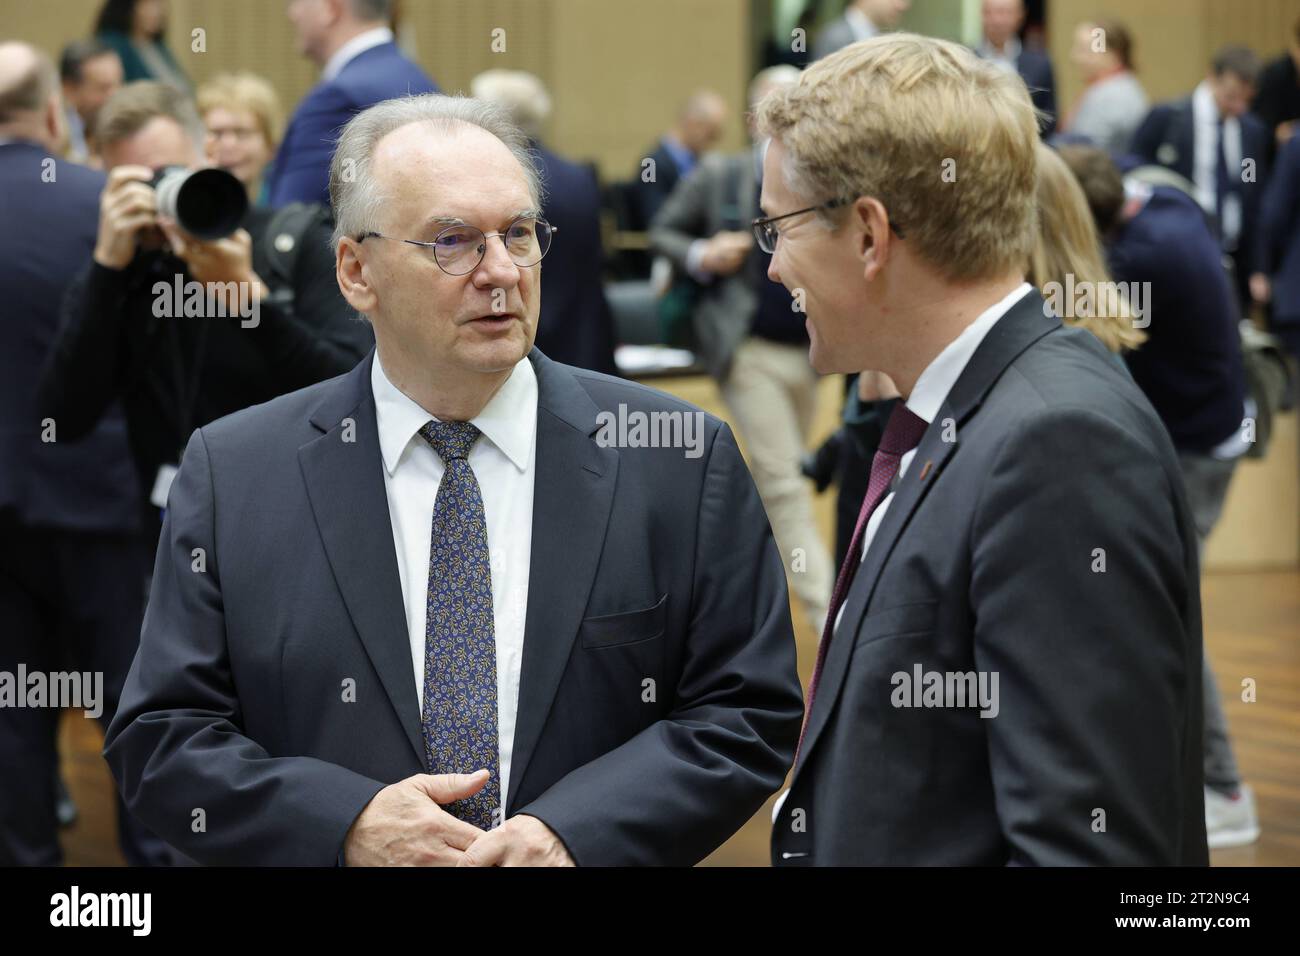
(128, 332)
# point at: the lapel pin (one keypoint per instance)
(925, 470)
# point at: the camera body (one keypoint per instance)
(207, 203)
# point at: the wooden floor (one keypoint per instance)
(1252, 626)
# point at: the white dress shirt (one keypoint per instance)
(927, 398)
(503, 460)
(1205, 156)
(354, 48)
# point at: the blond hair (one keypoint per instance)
(247, 93)
(942, 139)
(1068, 245)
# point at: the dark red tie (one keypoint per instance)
(902, 434)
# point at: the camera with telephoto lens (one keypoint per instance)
(207, 203)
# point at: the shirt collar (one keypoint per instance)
(1010, 51)
(354, 48)
(943, 371)
(508, 421)
(862, 26)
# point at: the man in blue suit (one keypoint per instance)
(360, 65)
(575, 325)
(1211, 139)
(1280, 246)
(1002, 20)
(72, 567)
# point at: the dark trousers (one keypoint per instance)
(69, 601)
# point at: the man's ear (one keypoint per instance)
(353, 277)
(871, 225)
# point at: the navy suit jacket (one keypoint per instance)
(659, 702)
(575, 326)
(1280, 234)
(986, 562)
(1035, 68)
(1167, 138)
(1190, 367)
(48, 237)
(300, 172)
(650, 196)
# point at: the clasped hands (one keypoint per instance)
(405, 825)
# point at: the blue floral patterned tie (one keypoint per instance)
(459, 714)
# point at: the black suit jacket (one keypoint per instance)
(1167, 138)
(987, 561)
(647, 566)
(83, 480)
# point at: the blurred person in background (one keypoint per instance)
(1277, 100)
(360, 64)
(1113, 103)
(1278, 282)
(575, 326)
(90, 72)
(242, 114)
(137, 31)
(1190, 368)
(753, 340)
(1211, 140)
(698, 127)
(173, 372)
(1001, 22)
(861, 20)
(71, 558)
(1068, 253)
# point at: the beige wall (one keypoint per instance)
(1174, 39)
(617, 69)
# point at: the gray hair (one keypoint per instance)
(353, 194)
(27, 79)
(519, 92)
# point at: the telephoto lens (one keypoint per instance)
(207, 203)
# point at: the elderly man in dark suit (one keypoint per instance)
(1002, 20)
(463, 605)
(72, 564)
(360, 65)
(1020, 592)
(1211, 139)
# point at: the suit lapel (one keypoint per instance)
(1022, 325)
(343, 470)
(573, 493)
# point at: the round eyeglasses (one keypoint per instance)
(459, 248)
